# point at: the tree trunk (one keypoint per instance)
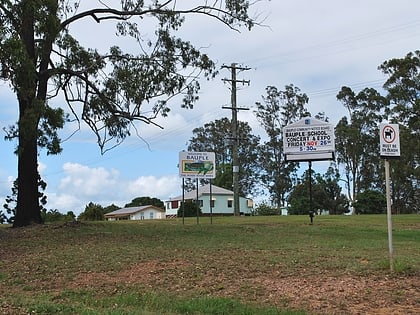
(27, 208)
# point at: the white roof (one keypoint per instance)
(131, 210)
(204, 190)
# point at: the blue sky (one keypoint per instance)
(318, 46)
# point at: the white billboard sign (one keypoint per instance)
(197, 164)
(308, 139)
(389, 140)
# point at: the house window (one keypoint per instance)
(212, 203)
(230, 203)
(151, 215)
(174, 204)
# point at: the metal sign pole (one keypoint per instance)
(389, 143)
(196, 165)
(196, 201)
(211, 205)
(311, 211)
(183, 200)
(389, 215)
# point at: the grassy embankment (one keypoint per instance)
(165, 267)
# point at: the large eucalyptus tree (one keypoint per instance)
(110, 91)
(403, 87)
(357, 135)
(279, 109)
(357, 138)
(215, 136)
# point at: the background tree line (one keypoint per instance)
(92, 212)
(113, 91)
(357, 165)
(110, 91)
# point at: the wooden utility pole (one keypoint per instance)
(235, 138)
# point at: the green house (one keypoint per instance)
(221, 202)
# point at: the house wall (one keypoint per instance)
(223, 204)
(149, 214)
(171, 207)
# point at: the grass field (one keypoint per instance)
(237, 265)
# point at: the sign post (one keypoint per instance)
(389, 217)
(389, 142)
(309, 139)
(197, 165)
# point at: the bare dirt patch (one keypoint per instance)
(318, 294)
(225, 272)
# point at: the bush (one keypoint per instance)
(93, 212)
(370, 202)
(265, 209)
(56, 216)
(190, 209)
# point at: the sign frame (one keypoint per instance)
(389, 141)
(197, 165)
(309, 139)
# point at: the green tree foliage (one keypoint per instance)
(56, 216)
(357, 135)
(299, 198)
(403, 87)
(326, 194)
(357, 139)
(11, 200)
(370, 202)
(278, 109)
(111, 208)
(3, 218)
(214, 137)
(224, 177)
(93, 212)
(10, 204)
(190, 209)
(145, 201)
(110, 90)
(336, 202)
(265, 209)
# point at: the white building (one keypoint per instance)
(136, 213)
(222, 202)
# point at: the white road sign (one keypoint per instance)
(389, 140)
(308, 139)
(197, 164)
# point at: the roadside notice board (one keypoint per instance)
(389, 140)
(197, 164)
(308, 139)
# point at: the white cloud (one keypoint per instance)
(318, 46)
(65, 202)
(161, 187)
(82, 184)
(88, 182)
(41, 167)
(6, 183)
